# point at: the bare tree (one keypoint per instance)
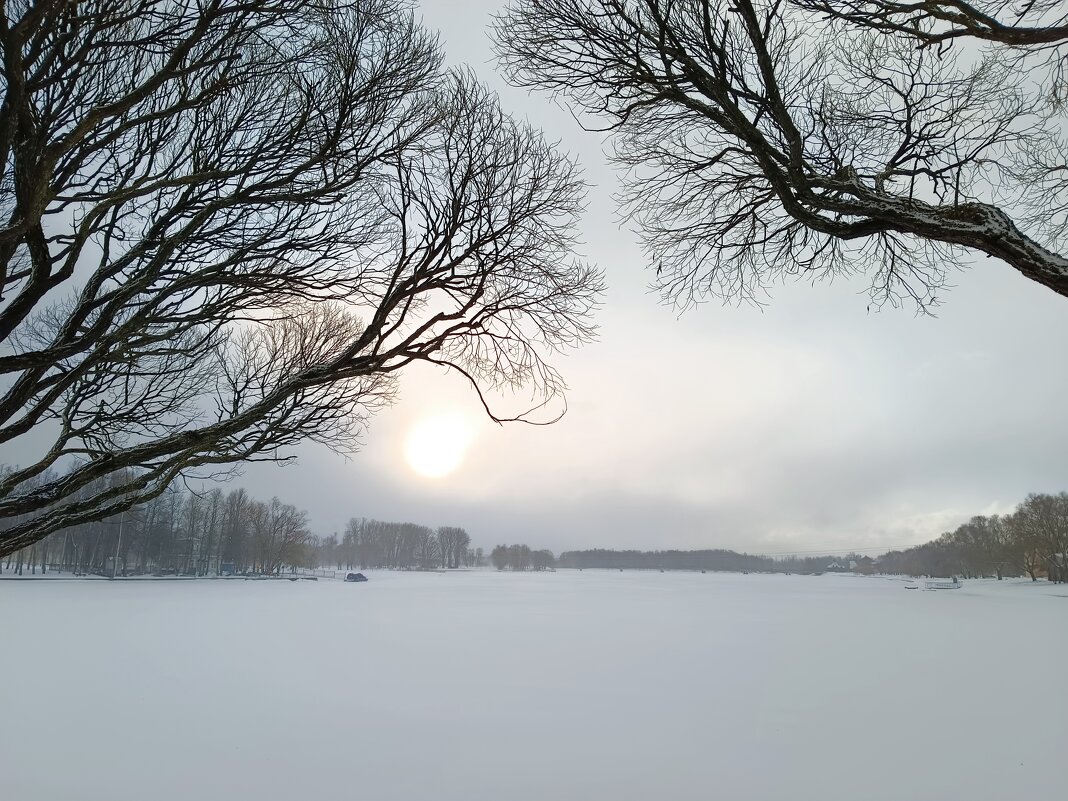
(542, 560)
(429, 553)
(226, 227)
(288, 536)
(235, 527)
(1023, 546)
(499, 557)
(452, 545)
(1042, 524)
(764, 139)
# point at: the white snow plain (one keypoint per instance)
(592, 686)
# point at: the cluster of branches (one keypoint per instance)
(178, 532)
(714, 560)
(765, 139)
(1031, 541)
(226, 226)
(400, 546)
(521, 557)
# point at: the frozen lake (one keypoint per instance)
(592, 686)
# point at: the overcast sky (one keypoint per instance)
(810, 424)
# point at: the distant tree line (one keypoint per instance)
(521, 557)
(1031, 541)
(717, 559)
(400, 546)
(183, 532)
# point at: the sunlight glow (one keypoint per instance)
(436, 445)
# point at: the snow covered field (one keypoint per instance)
(594, 686)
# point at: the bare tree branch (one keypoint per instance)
(1030, 23)
(762, 141)
(226, 226)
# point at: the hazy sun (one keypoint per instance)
(436, 445)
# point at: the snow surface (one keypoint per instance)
(571, 685)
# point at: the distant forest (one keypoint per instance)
(521, 557)
(211, 533)
(404, 546)
(1031, 541)
(692, 560)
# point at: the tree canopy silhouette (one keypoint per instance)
(227, 225)
(766, 139)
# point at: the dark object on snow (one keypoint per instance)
(355, 577)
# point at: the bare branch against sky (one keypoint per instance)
(229, 226)
(761, 138)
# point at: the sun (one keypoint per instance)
(436, 446)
